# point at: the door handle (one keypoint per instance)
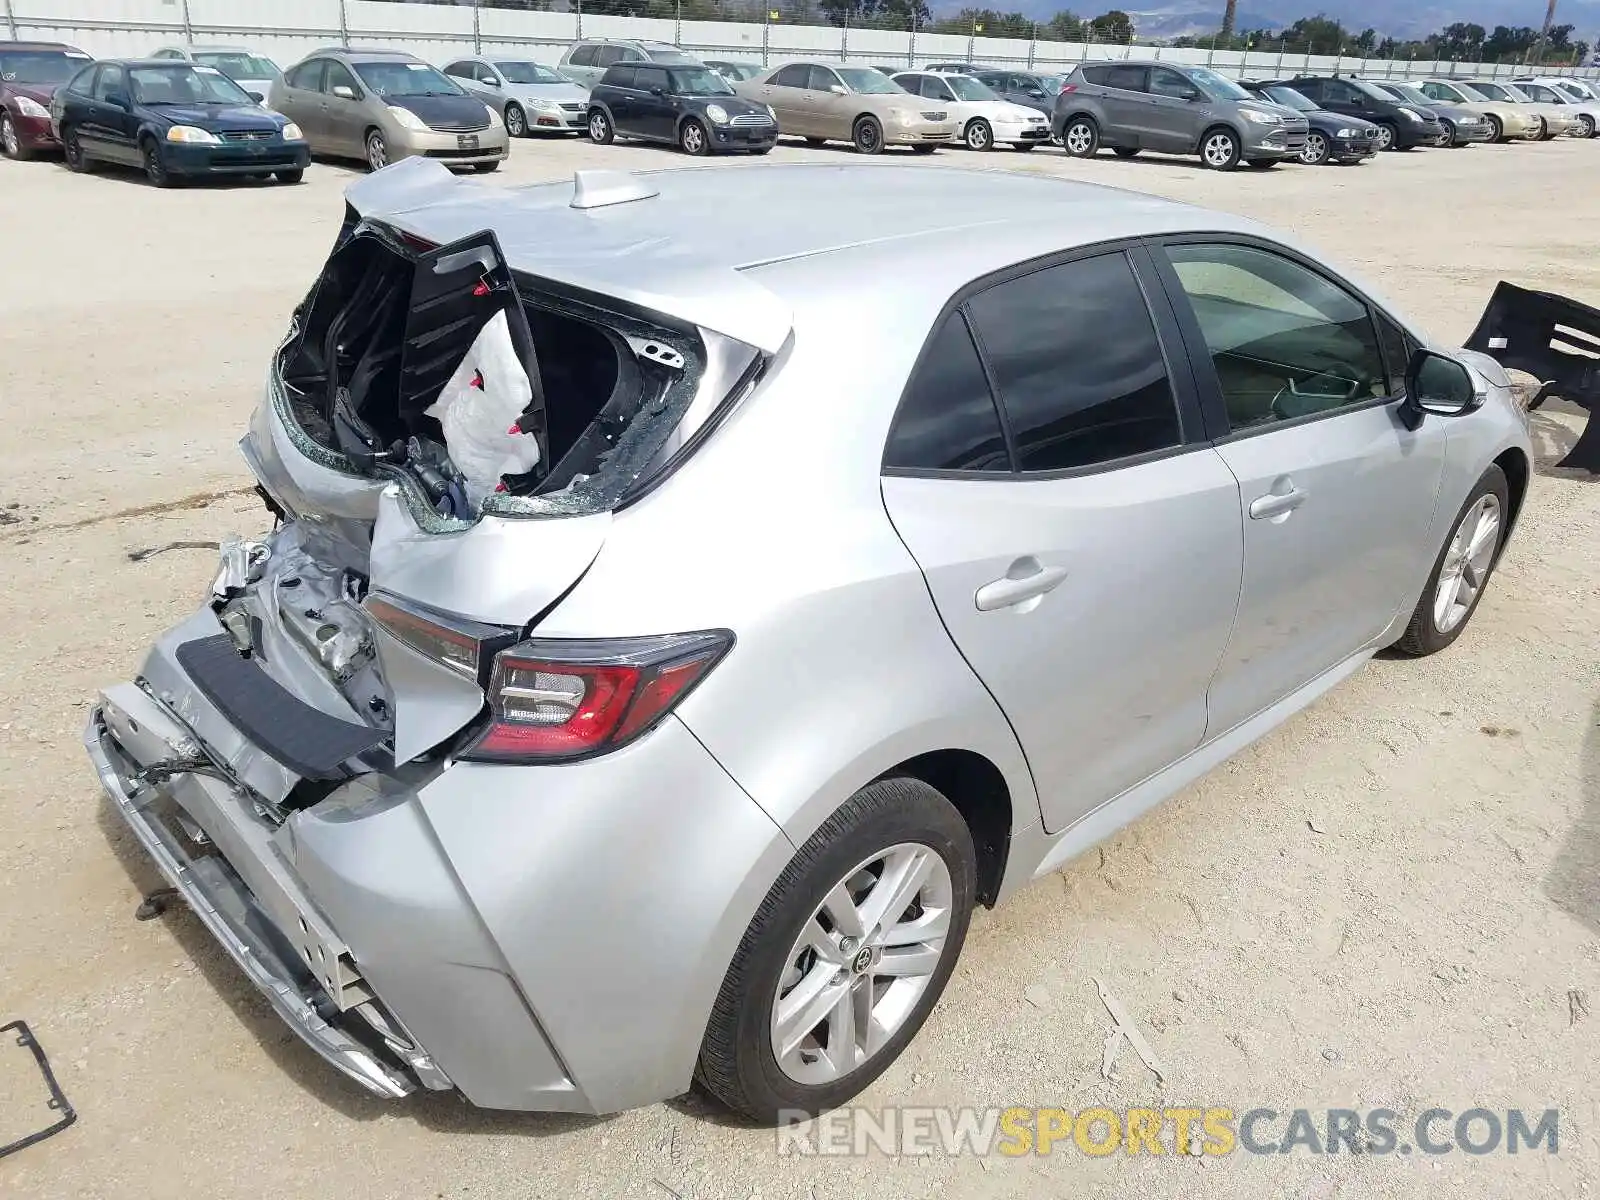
(1025, 580)
(1276, 504)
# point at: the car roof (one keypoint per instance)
(926, 232)
(9, 45)
(374, 53)
(219, 49)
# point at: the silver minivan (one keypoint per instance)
(585, 61)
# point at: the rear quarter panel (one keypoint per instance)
(776, 530)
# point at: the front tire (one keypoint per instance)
(1388, 134)
(486, 168)
(155, 170)
(10, 142)
(1316, 150)
(1450, 135)
(72, 152)
(1080, 137)
(693, 139)
(1220, 149)
(1587, 126)
(601, 132)
(292, 176)
(978, 135)
(516, 121)
(846, 956)
(1462, 570)
(1497, 130)
(377, 151)
(867, 136)
(1126, 151)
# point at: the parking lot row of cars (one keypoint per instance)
(191, 111)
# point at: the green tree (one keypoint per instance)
(1506, 42)
(1367, 40)
(1065, 26)
(1114, 26)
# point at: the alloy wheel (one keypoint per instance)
(693, 138)
(861, 962)
(1386, 137)
(1079, 138)
(377, 152)
(978, 136)
(1315, 151)
(1219, 150)
(599, 128)
(1587, 125)
(1466, 563)
(8, 136)
(516, 121)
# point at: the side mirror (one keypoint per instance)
(491, 82)
(658, 91)
(1437, 385)
(257, 97)
(1191, 96)
(1035, 94)
(344, 91)
(838, 89)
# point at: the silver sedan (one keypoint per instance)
(528, 95)
(668, 631)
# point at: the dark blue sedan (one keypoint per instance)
(177, 120)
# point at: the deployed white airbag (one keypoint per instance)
(479, 408)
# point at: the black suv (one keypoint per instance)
(1400, 126)
(692, 107)
(1332, 137)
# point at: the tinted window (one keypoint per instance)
(794, 76)
(1285, 342)
(461, 70)
(947, 420)
(1077, 364)
(307, 76)
(1126, 79)
(620, 76)
(111, 80)
(1096, 74)
(79, 83)
(645, 78)
(1169, 83)
(339, 76)
(583, 56)
(821, 79)
(1311, 88)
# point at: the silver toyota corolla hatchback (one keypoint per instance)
(670, 629)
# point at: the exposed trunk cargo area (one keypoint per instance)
(384, 346)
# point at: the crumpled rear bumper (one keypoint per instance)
(224, 904)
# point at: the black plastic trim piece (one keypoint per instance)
(58, 1101)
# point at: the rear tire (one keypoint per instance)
(294, 176)
(1588, 128)
(811, 141)
(1264, 164)
(377, 151)
(1080, 137)
(867, 135)
(898, 823)
(487, 168)
(1468, 566)
(923, 149)
(1023, 147)
(1126, 151)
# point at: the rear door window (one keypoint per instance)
(1126, 78)
(794, 76)
(620, 76)
(307, 76)
(1077, 364)
(583, 56)
(947, 420)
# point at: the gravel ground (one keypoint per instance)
(1391, 901)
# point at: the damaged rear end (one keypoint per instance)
(444, 441)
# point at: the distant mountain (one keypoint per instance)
(1176, 18)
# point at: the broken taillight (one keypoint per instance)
(462, 646)
(563, 698)
(1068, 88)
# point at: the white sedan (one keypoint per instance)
(982, 116)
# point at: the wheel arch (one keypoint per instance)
(978, 791)
(1518, 472)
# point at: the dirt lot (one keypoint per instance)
(1392, 901)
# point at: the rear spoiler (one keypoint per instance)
(1554, 339)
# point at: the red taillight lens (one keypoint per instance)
(462, 646)
(1068, 88)
(558, 698)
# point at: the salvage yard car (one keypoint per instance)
(1462, 125)
(384, 105)
(1401, 126)
(833, 595)
(824, 102)
(982, 117)
(30, 72)
(693, 108)
(176, 120)
(1555, 119)
(1330, 137)
(1507, 119)
(527, 95)
(1130, 107)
